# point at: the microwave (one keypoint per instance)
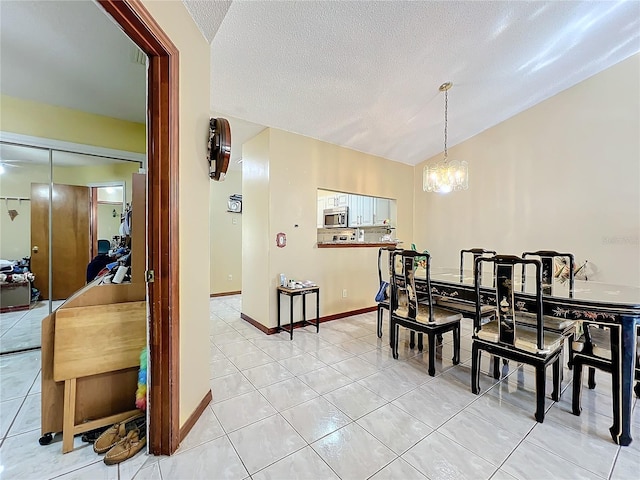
(336, 217)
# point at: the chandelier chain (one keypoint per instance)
(446, 104)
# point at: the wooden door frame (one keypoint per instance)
(162, 219)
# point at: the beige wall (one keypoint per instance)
(226, 235)
(563, 175)
(287, 170)
(256, 244)
(108, 225)
(194, 60)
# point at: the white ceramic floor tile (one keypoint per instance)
(353, 453)
(222, 367)
(394, 427)
(301, 364)
(95, 471)
(325, 379)
(44, 461)
(287, 394)
(129, 468)
(387, 385)
(502, 415)
(250, 360)
(355, 400)
(242, 410)
(281, 351)
(207, 428)
(356, 346)
(481, 437)
(398, 469)
(595, 452)
(267, 374)
(28, 418)
(355, 368)
(217, 456)
(316, 418)
(265, 442)
(303, 464)
(627, 465)
(332, 354)
(152, 472)
(238, 348)
(438, 457)
(444, 400)
(530, 462)
(8, 411)
(230, 386)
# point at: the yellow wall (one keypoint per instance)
(194, 180)
(286, 170)
(15, 236)
(49, 121)
(563, 175)
(226, 236)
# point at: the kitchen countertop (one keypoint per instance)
(346, 244)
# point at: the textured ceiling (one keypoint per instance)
(70, 54)
(365, 75)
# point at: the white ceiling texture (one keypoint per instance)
(365, 74)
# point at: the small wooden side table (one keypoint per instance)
(294, 292)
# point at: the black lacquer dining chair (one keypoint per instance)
(415, 310)
(466, 308)
(475, 252)
(384, 304)
(550, 271)
(593, 350)
(506, 337)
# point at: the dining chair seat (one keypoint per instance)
(556, 324)
(440, 316)
(465, 307)
(526, 339)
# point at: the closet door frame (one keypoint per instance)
(162, 219)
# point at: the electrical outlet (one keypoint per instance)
(234, 221)
(230, 277)
(344, 293)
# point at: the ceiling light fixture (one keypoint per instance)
(447, 175)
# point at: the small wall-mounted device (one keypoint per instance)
(234, 204)
(218, 148)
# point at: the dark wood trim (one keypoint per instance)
(162, 213)
(328, 318)
(195, 415)
(257, 324)
(224, 294)
(355, 245)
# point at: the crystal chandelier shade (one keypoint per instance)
(448, 175)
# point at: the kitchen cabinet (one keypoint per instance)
(381, 210)
(361, 210)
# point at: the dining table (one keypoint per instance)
(615, 306)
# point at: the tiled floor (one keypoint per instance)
(336, 405)
(21, 329)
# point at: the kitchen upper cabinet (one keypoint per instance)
(361, 209)
(381, 210)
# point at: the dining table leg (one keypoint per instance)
(623, 347)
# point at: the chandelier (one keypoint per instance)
(447, 175)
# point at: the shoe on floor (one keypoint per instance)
(118, 431)
(127, 448)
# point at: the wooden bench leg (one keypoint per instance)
(69, 415)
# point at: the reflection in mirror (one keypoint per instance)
(21, 309)
(77, 194)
